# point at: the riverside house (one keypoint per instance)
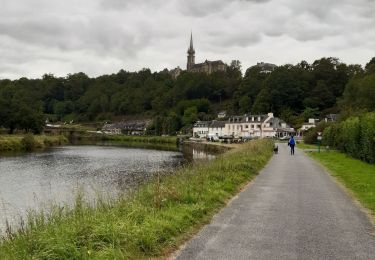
(245, 126)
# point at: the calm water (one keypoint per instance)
(34, 181)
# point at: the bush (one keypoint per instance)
(310, 136)
(354, 136)
(367, 132)
(28, 143)
(351, 136)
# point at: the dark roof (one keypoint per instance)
(130, 125)
(242, 119)
(215, 63)
(202, 123)
(217, 124)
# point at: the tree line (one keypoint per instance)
(293, 92)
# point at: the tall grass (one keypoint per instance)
(150, 222)
(29, 142)
(143, 139)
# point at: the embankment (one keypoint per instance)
(21, 143)
(151, 222)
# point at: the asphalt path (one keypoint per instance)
(293, 210)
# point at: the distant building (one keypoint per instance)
(175, 72)
(216, 129)
(266, 67)
(130, 127)
(206, 67)
(200, 129)
(310, 124)
(222, 114)
(260, 126)
(331, 117)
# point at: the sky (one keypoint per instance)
(103, 36)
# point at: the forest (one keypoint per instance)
(293, 92)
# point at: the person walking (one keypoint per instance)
(291, 143)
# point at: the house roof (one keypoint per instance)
(130, 125)
(242, 119)
(214, 63)
(217, 124)
(202, 124)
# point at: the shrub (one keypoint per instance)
(354, 136)
(351, 137)
(367, 132)
(28, 143)
(311, 135)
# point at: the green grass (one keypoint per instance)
(14, 143)
(302, 145)
(150, 222)
(143, 139)
(357, 176)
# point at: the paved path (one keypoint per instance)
(293, 210)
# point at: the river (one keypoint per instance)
(35, 180)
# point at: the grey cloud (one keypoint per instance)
(101, 36)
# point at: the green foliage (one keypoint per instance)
(294, 91)
(28, 143)
(367, 137)
(146, 224)
(360, 93)
(190, 116)
(311, 135)
(354, 136)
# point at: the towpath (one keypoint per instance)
(293, 210)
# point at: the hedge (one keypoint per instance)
(354, 136)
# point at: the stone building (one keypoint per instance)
(206, 67)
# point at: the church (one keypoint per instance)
(206, 67)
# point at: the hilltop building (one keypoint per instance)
(266, 67)
(206, 66)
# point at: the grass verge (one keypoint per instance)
(16, 143)
(142, 139)
(302, 145)
(150, 222)
(356, 175)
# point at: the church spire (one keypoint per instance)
(191, 49)
(191, 54)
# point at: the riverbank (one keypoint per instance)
(357, 176)
(21, 143)
(149, 223)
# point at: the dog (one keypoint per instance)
(276, 149)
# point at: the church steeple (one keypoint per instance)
(191, 54)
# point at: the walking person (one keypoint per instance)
(291, 143)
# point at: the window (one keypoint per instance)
(246, 126)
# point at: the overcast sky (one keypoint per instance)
(103, 36)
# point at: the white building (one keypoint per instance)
(246, 126)
(310, 124)
(200, 129)
(216, 129)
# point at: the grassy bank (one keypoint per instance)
(16, 143)
(357, 176)
(142, 139)
(150, 222)
(302, 145)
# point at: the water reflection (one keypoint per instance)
(33, 181)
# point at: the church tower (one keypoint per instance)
(191, 55)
